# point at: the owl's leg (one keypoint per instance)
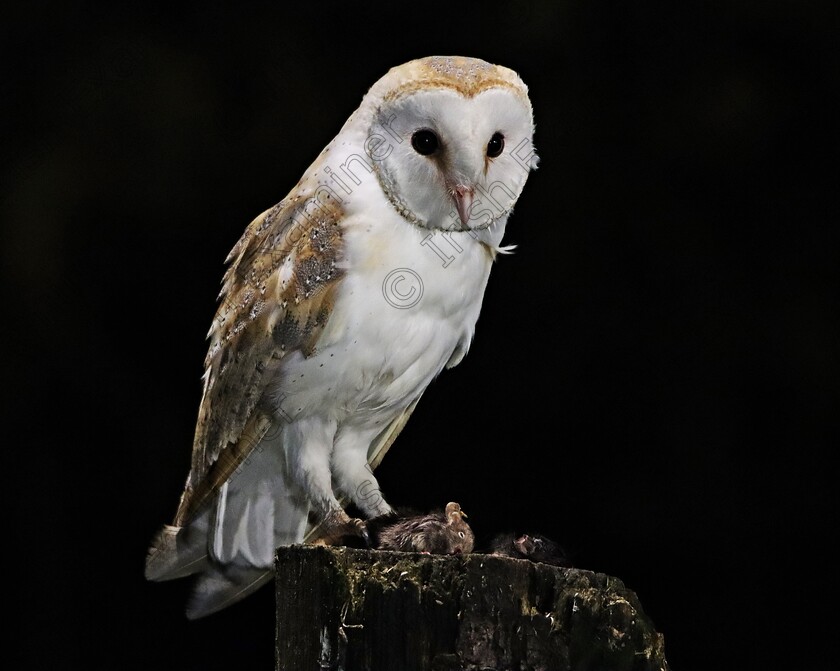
(308, 445)
(353, 476)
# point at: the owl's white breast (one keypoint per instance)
(407, 305)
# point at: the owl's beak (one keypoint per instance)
(463, 196)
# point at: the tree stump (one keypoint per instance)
(368, 610)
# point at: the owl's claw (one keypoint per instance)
(339, 528)
(358, 529)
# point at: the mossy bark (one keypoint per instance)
(366, 610)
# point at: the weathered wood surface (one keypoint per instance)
(366, 610)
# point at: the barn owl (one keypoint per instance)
(339, 306)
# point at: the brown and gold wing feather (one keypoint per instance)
(276, 297)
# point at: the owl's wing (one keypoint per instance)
(380, 446)
(277, 295)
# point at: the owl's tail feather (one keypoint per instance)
(231, 543)
(221, 586)
(176, 552)
(254, 514)
(217, 586)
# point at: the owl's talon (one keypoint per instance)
(358, 528)
(340, 529)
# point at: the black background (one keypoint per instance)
(654, 377)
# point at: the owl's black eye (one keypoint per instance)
(496, 145)
(425, 142)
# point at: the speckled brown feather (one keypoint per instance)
(276, 298)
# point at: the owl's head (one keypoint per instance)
(451, 141)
